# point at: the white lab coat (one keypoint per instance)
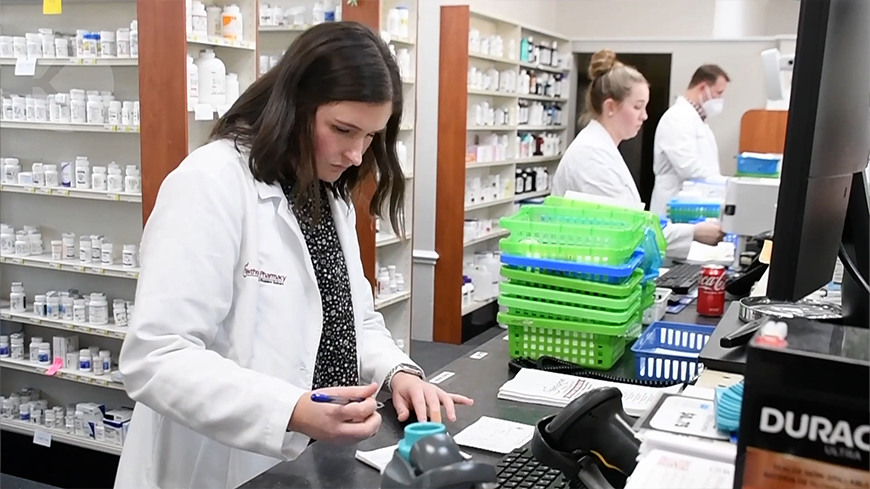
(592, 164)
(227, 326)
(684, 149)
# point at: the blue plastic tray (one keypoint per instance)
(758, 166)
(669, 351)
(613, 274)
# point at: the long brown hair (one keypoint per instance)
(274, 117)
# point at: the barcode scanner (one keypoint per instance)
(589, 441)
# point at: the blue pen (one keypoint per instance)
(326, 398)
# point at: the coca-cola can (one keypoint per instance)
(711, 291)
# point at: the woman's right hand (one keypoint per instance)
(708, 232)
(337, 423)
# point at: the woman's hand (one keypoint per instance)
(410, 391)
(708, 232)
(337, 423)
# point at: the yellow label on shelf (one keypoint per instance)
(54, 265)
(52, 7)
(113, 196)
(17, 261)
(63, 192)
(133, 274)
(98, 271)
(30, 189)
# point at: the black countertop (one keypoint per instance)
(324, 465)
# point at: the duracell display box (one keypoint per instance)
(805, 421)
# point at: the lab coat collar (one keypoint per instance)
(599, 131)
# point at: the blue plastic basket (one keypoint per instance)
(758, 165)
(688, 211)
(611, 274)
(669, 351)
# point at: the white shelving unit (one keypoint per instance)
(484, 58)
(117, 216)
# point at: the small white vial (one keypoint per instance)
(84, 364)
(98, 310)
(66, 308)
(114, 180)
(80, 311)
(107, 254)
(51, 176)
(132, 180)
(16, 348)
(129, 258)
(83, 172)
(119, 312)
(34, 348)
(96, 249)
(69, 246)
(44, 356)
(85, 249)
(134, 39)
(56, 249)
(35, 244)
(106, 360)
(98, 178)
(22, 246)
(95, 109)
(135, 114)
(39, 306)
(126, 113)
(114, 113)
(17, 299)
(52, 307)
(4, 347)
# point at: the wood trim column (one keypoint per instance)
(450, 201)
(368, 13)
(162, 93)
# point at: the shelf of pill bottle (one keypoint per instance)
(493, 93)
(388, 300)
(107, 330)
(75, 193)
(494, 59)
(77, 61)
(531, 195)
(492, 203)
(69, 127)
(282, 28)
(544, 98)
(537, 159)
(72, 375)
(59, 435)
(75, 266)
(548, 69)
(396, 40)
(220, 41)
(492, 128)
(522, 128)
(494, 234)
(388, 239)
(475, 305)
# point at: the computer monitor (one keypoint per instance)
(827, 147)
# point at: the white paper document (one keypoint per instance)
(668, 470)
(380, 458)
(495, 435)
(557, 390)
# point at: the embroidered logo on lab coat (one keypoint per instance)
(265, 277)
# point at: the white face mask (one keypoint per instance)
(713, 106)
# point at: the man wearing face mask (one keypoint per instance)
(685, 147)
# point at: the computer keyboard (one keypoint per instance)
(520, 470)
(680, 278)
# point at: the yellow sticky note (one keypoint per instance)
(51, 7)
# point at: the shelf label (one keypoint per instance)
(45, 190)
(118, 334)
(25, 66)
(133, 274)
(69, 326)
(37, 321)
(29, 190)
(88, 61)
(478, 355)
(17, 261)
(52, 7)
(54, 265)
(63, 192)
(113, 196)
(97, 271)
(42, 438)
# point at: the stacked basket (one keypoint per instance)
(575, 279)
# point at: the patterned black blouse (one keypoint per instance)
(336, 362)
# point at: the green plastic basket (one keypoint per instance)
(567, 297)
(533, 305)
(529, 247)
(576, 342)
(651, 220)
(567, 225)
(557, 281)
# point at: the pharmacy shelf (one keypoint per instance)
(64, 373)
(491, 128)
(494, 59)
(58, 435)
(85, 62)
(45, 261)
(487, 164)
(490, 93)
(498, 233)
(537, 159)
(107, 330)
(543, 98)
(532, 195)
(381, 240)
(492, 203)
(389, 300)
(522, 128)
(408, 80)
(548, 69)
(399, 40)
(69, 127)
(71, 192)
(221, 42)
(281, 28)
(475, 305)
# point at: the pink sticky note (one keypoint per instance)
(55, 367)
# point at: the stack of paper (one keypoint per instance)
(662, 469)
(495, 435)
(554, 389)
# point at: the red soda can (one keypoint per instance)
(711, 291)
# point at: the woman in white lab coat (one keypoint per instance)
(252, 294)
(616, 109)
(685, 147)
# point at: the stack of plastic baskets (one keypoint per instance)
(686, 211)
(574, 273)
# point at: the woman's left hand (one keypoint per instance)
(425, 398)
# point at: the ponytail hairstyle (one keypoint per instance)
(610, 80)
